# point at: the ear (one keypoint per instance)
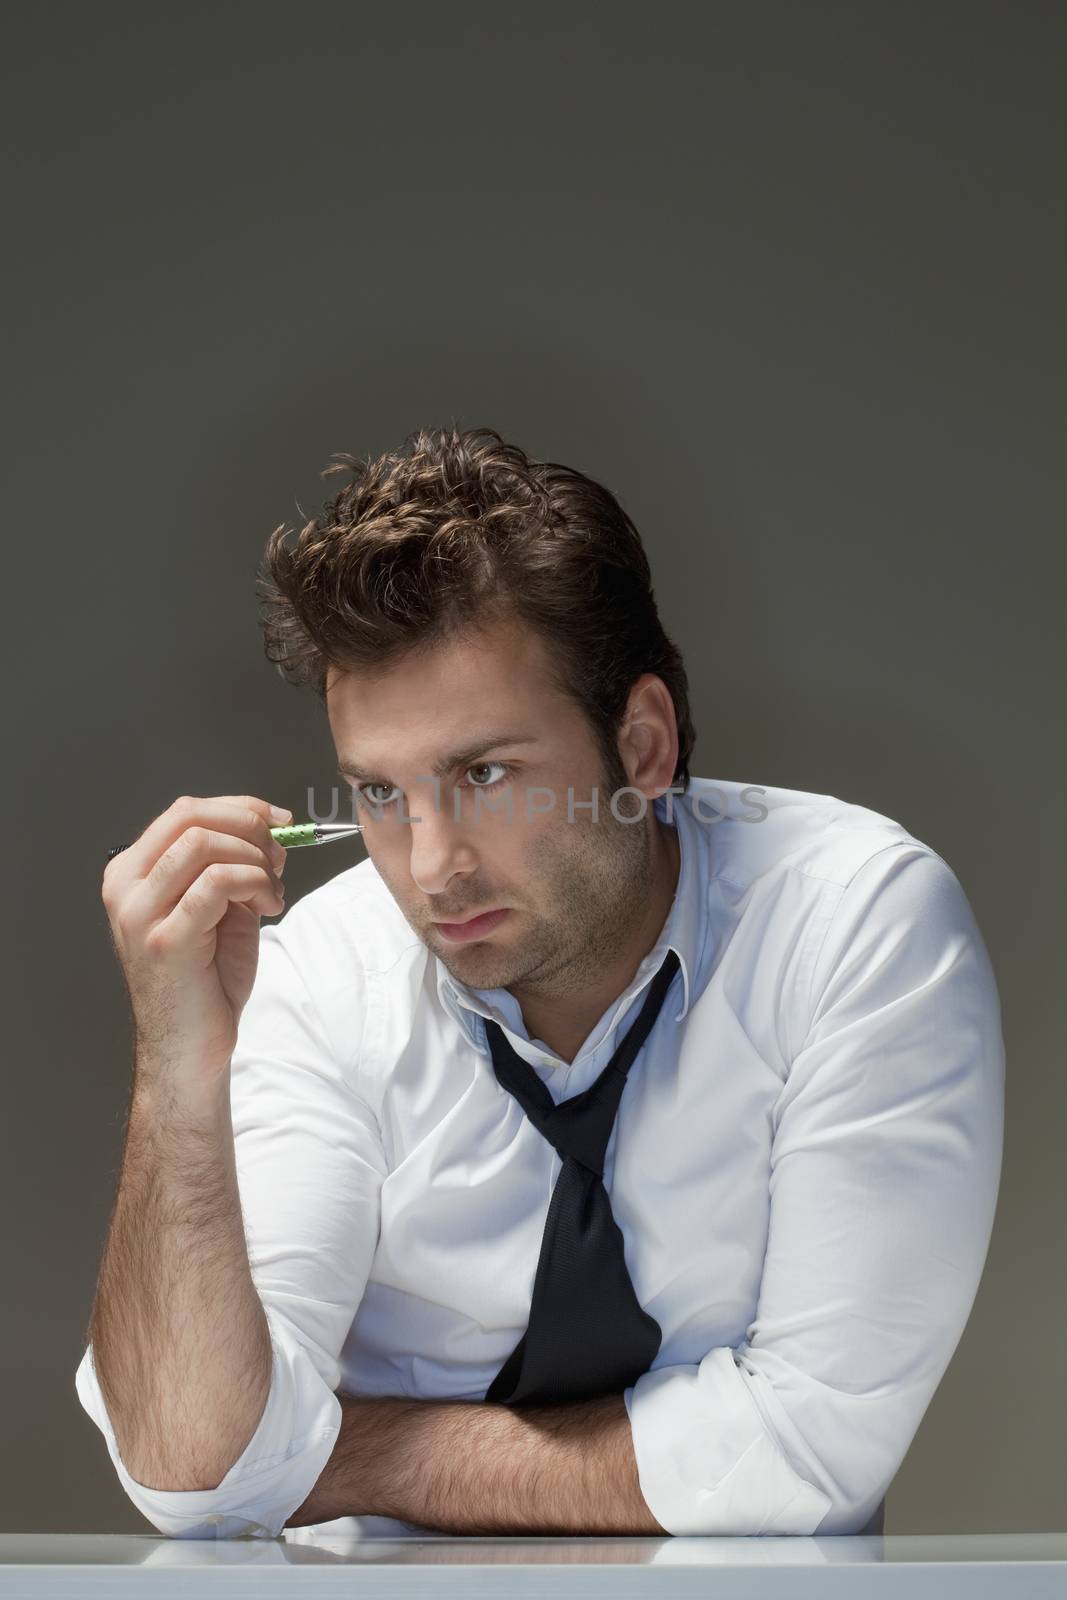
(648, 738)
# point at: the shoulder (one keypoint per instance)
(760, 834)
(349, 924)
(346, 952)
(814, 882)
(838, 905)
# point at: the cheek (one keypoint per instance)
(384, 845)
(544, 855)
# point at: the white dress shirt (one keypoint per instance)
(804, 1166)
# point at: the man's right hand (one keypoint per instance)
(184, 904)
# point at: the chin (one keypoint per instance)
(480, 969)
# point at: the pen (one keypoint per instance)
(295, 834)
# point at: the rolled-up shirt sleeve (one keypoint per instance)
(885, 1168)
(310, 1166)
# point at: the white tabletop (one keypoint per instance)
(921, 1567)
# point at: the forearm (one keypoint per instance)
(181, 1345)
(477, 1468)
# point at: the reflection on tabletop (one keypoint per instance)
(353, 1541)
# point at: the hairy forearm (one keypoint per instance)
(181, 1345)
(477, 1468)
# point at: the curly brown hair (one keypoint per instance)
(451, 533)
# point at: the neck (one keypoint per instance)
(564, 1024)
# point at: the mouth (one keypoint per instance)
(476, 927)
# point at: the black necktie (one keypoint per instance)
(587, 1334)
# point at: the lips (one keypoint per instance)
(476, 927)
(461, 922)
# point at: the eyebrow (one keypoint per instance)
(464, 757)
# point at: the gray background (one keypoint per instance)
(785, 277)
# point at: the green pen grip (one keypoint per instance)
(297, 833)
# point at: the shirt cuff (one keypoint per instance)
(275, 1472)
(706, 1460)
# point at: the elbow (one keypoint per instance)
(217, 1525)
(271, 1477)
(152, 1476)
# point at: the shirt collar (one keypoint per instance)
(682, 932)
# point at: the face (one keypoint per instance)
(489, 835)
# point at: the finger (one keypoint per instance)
(148, 900)
(244, 815)
(206, 901)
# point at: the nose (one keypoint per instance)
(440, 846)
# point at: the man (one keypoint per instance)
(357, 1239)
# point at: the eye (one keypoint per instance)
(364, 789)
(482, 766)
